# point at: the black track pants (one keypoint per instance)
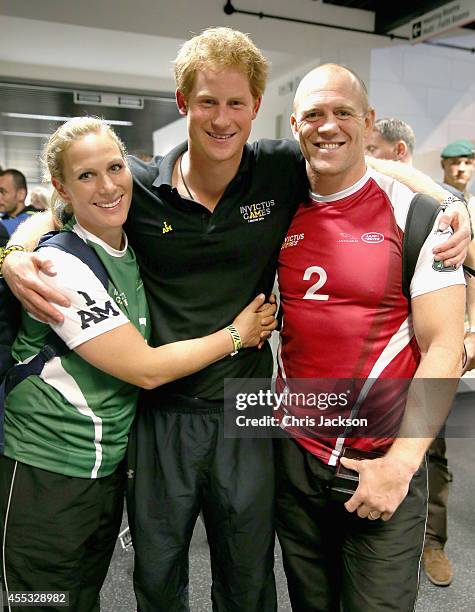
(180, 463)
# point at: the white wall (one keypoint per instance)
(85, 55)
(432, 89)
(169, 136)
(272, 121)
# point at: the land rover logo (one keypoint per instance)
(372, 237)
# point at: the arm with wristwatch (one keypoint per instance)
(419, 182)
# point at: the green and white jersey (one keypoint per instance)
(74, 419)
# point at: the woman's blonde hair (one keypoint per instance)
(59, 142)
(220, 48)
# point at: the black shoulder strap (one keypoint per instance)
(72, 243)
(4, 235)
(470, 271)
(421, 217)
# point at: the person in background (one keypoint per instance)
(39, 198)
(393, 139)
(390, 138)
(13, 192)
(66, 428)
(458, 163)
(141, 154)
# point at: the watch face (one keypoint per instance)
(438, 266)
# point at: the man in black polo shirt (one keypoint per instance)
(207, 224)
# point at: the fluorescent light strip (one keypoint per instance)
(25, 134)
(56, 118)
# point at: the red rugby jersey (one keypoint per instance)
(345, 316)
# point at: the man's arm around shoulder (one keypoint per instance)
(20, 270)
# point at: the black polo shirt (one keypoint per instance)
(200, 268)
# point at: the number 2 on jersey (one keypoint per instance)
(311, 291)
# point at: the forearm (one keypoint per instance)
(28, 233)
(470, 259)
(428, 404)
(471, 301)
(148, 367)
(470, 334)
(416, 180)
(179, 359)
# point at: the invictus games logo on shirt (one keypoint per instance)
(257, 211)
(292, 240)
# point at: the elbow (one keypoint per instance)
(152, 373)
(151, 382)
(148, 383)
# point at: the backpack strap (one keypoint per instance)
(421, 217)
(68, 242)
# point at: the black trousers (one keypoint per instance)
(335, 561)
(180, 463)
(59, 533)
(439, 483)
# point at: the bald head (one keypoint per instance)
(331, 120)
(328, 76)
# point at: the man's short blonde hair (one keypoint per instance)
(220, 48)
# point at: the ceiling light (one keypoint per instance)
(100, 98)
(57, 118)
(25, 134)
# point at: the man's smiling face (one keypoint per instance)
(220, 110)
(331, 121)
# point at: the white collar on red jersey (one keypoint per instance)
(342, 194)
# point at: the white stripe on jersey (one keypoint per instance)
(56, 376)
(396, 344)
(280, 363)
(399, 195)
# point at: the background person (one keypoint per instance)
(390, 137)
(66, 430)
(39, 198)
(13, 191)
(458, 164)
(393, 139)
